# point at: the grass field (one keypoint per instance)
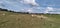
(15, 20)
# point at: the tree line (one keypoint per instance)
(13, 11)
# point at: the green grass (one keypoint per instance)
(15, 20)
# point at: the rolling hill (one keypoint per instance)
(17, 20)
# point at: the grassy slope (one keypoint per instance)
(15, 20)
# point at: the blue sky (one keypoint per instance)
(32, 6)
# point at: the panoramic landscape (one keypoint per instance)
(29, 13)
(20, 20)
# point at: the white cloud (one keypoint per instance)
(32, 2)
(52, 10)
(30, 10)
(49, 9)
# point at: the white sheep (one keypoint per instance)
(3, 14)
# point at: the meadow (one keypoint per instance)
(17, 20)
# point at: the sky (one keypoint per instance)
(32, 6)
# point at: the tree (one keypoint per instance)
(3, 9)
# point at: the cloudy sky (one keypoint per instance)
(32, 6)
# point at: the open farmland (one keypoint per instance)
(17, 20)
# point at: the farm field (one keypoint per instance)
(17, 20)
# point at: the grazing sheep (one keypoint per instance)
(3, 14)
(32, 15)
